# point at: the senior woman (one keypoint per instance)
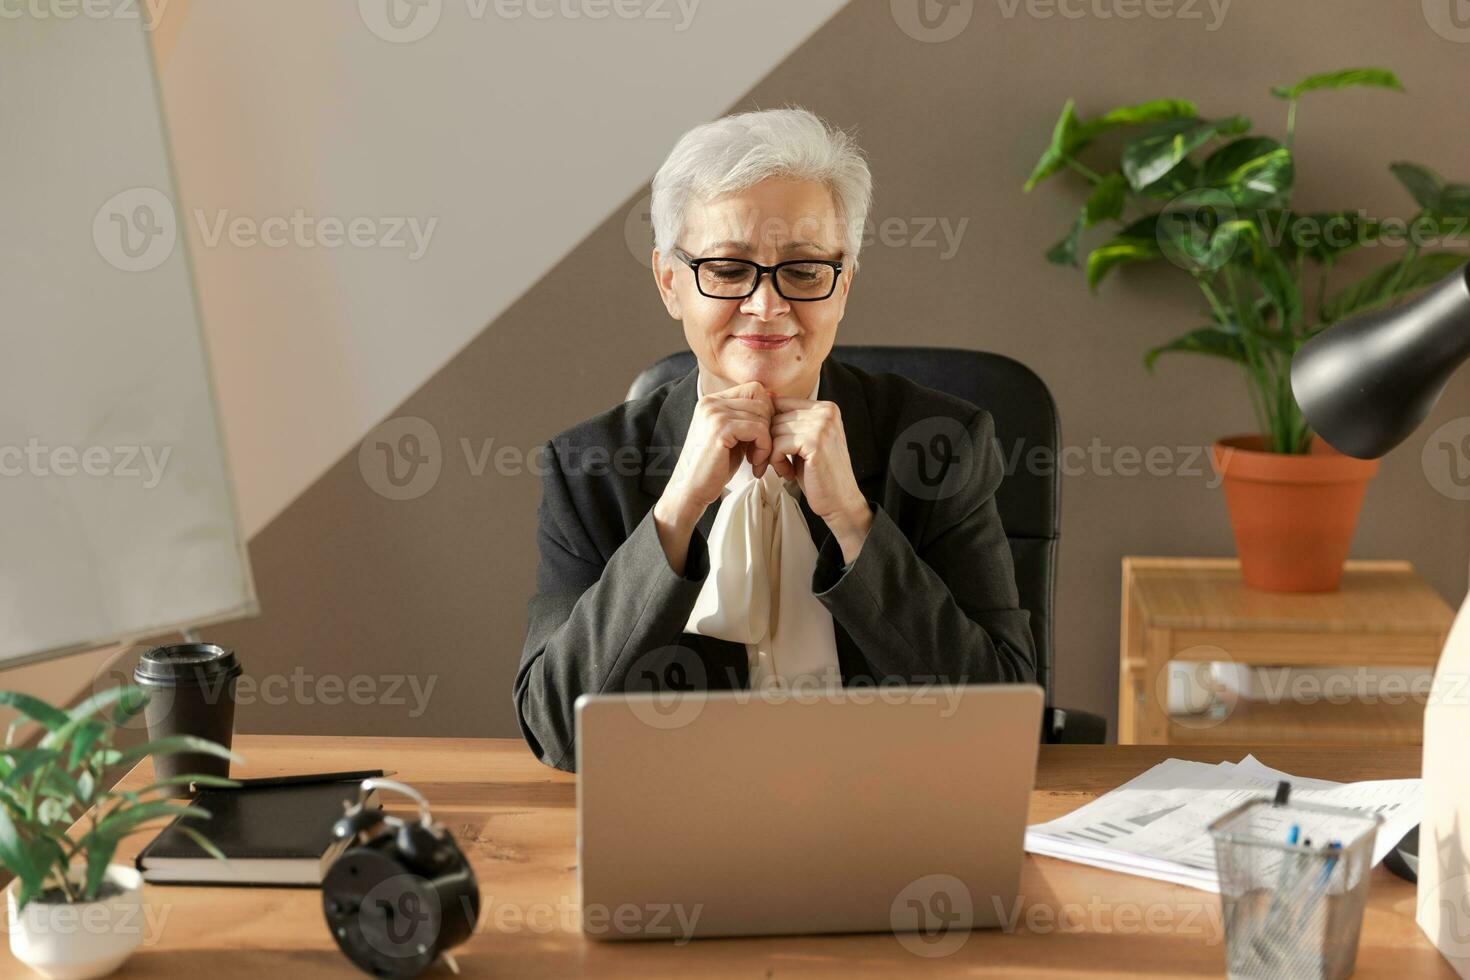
(747, 525)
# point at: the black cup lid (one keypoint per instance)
(186, 663)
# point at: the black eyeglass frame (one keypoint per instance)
(761, 270)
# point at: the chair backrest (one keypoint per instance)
(1029, 434)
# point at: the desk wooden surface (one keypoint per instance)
(517, 821)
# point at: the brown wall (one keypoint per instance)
(353, 583)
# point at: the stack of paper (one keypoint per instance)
(1155, 825)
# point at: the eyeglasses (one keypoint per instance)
(799, 280)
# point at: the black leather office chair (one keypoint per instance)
(1029, 496)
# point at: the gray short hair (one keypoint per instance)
(741, 150)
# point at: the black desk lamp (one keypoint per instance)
(1364, 385)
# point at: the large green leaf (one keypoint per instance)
(1064, 143)
(1422, 183)
(204, 842)
(1152, 155)
(1106, 201)
(13, 803)
(1199, 231)
(1253, 170)
(89, 734)
(99, 856)
(34, 709)
(1431, 191)
(27, 761)
(15, 855)
(171, 745)
(80, 723)
(1281, 288)
(60, 784)
(1064, 252)
(1201, 250)
(1212, 341)
(1136, 243)
(100, 700)
(1454, 201)
(131, 704)
(1070, 135)
(1384, 284)
(1266, 264)
(122, 822)
(198, 779)
(1375, 77)
(1184, 177)
(1155, 110)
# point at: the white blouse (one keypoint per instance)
(758, 591)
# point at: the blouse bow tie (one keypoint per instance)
(758, 591)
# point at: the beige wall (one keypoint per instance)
(355, 585)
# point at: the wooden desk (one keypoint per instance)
(517, 821)
(1384, 615)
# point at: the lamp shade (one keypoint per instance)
(1366, 383)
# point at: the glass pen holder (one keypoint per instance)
(1293, 910)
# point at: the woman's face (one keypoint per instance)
(763, 337)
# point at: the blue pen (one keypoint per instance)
(1333, 846)
(1292, 837)
(1268, 942)
(1287, 861)
(1310, 906)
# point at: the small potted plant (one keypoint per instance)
(74, 913)
(1215, 200)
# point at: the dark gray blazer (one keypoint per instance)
(931, 598)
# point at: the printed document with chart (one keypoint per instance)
(1155, 825)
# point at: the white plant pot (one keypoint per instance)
(78, 941)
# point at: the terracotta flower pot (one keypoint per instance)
(1293, 515)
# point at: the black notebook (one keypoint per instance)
(272, 834)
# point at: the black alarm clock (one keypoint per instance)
(402, 895)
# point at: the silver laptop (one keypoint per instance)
(732, 814)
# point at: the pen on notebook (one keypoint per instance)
(309, 779)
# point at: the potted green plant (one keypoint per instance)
(74, 913)
(1215, 200)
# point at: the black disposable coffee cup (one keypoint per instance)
(191, 691)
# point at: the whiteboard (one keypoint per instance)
(117, 517)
